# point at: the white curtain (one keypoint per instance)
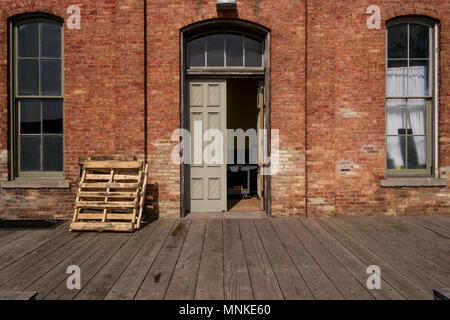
(398, 81)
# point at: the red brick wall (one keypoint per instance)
(346, 111)
(104, 94)
(345, 100)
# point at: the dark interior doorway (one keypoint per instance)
(242, 176)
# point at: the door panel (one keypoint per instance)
(260, 183)
(207, 176)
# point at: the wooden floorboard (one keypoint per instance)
(431, 224)
(6, 236)
(16, 249)
(264, 283)
(350, 262)
(343, 280)
(157, 279)
(18, 267)
(237, 285)
(290, 281)
(131, 279)
(210, 274)
(47, 264)
(406, 235)
(98, 287)
(427, 259)
(264, 258)
(57, 276)
(420, 236)
(387, 253)
(318, 282)
(90, 267)
(184, 279)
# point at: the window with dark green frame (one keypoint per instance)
(409, 97)
(38, 97)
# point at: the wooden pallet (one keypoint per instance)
(110, 196)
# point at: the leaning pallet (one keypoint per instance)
(110, 196)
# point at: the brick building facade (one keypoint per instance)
(123, 75)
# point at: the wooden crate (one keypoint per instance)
(110, 196)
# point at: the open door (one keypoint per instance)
(261, 136)
(207, 185)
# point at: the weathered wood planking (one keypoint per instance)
(404, 248)
(46, 265)
(18, 295)
(401, 283)
(210, 274)
(351, 262)
(343, 280)
(130, 280)
(431, 224)
(290, 281)
(318, 282)
(57, 275)
(98, 287)
(90, 267)
(183, 283)
(405, 266)
(264, 282)
(18, 267)
(155, 284)
(237, 284)
(433, 247)
(112, 164)
(20, 247)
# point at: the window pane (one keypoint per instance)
(30, 116)
(30, 153)
(235, 50)
(417, 152)
(53, 153)
(398, 41)
(51, 77)
(396, 152)
(52, 116)
(215, 49)
(28, 77)
(50, 40)
(196, 52)
(418, 79)
(417, 116)
(253, 52)
(418, 41)
(397, 78)
(27, 40)
(395, 116)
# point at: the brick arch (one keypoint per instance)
(21, 7)
(404, 12)
(244, 25)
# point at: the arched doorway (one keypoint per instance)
(225, 88)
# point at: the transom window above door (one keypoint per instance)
(221, 50)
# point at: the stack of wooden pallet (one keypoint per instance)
(110, 196)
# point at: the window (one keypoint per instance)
(37, 97)
(225, 50)
(409, 97)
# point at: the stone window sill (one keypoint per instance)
(36, 184)
(393, 182)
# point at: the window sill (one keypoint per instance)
(36, 184)
(393, 182)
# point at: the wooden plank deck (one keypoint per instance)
(268, 258)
